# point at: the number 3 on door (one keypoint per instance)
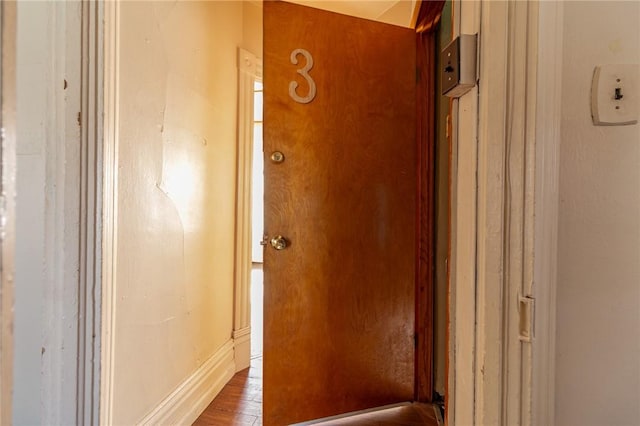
(304, 72)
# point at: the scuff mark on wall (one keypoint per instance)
(615, 46)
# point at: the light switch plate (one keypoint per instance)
(614, 94)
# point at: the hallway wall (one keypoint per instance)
(598, 298)
(176, 213)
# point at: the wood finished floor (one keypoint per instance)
(239, 402)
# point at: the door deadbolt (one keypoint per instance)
(279, 242)
(277, 157)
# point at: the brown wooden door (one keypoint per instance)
(340, 299)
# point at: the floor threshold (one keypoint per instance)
(402, 414)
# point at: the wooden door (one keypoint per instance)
(340, 298)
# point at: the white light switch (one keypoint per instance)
(614, 94)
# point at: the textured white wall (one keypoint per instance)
(598, 312)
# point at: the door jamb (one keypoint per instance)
(249, 69)
(462, 261)
(111, 143)
(493, 256)
(7, 201)
(91, 202)
(550, 36)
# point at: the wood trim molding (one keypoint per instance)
(491, 275)
(110, 207)
(505, 236)
(191, 397)
(463, 266)
(249, 69)
(242, 348)
(91, 172)
(550, 36)
(491, 283)
(7, 202)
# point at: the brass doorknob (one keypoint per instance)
(279, 242)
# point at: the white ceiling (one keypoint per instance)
(395, 12)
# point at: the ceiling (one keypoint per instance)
(395, 12)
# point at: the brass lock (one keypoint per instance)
(279, 242)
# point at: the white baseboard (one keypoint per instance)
(242, 349)
(189, 400)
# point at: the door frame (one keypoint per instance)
(504, 217)
(111, 143)
(91, 207)
(7, 202)
(548, 113)
(249, 70)
(477, 264)
(72, 128)
(493, 215)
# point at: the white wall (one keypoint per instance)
(30, 208)
(598, 311)
(176, 212)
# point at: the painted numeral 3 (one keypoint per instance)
(304, 72)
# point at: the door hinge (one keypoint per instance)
(526, 312)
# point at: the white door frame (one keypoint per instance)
(249, 70)
(111, 143)
(72, 138)
(7, 202)
(91, 205)
(504, 192)
(548, 112)
(71, 370)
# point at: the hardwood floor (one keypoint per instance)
(240, 402)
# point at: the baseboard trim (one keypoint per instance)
(242, 348)
(189, 400)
